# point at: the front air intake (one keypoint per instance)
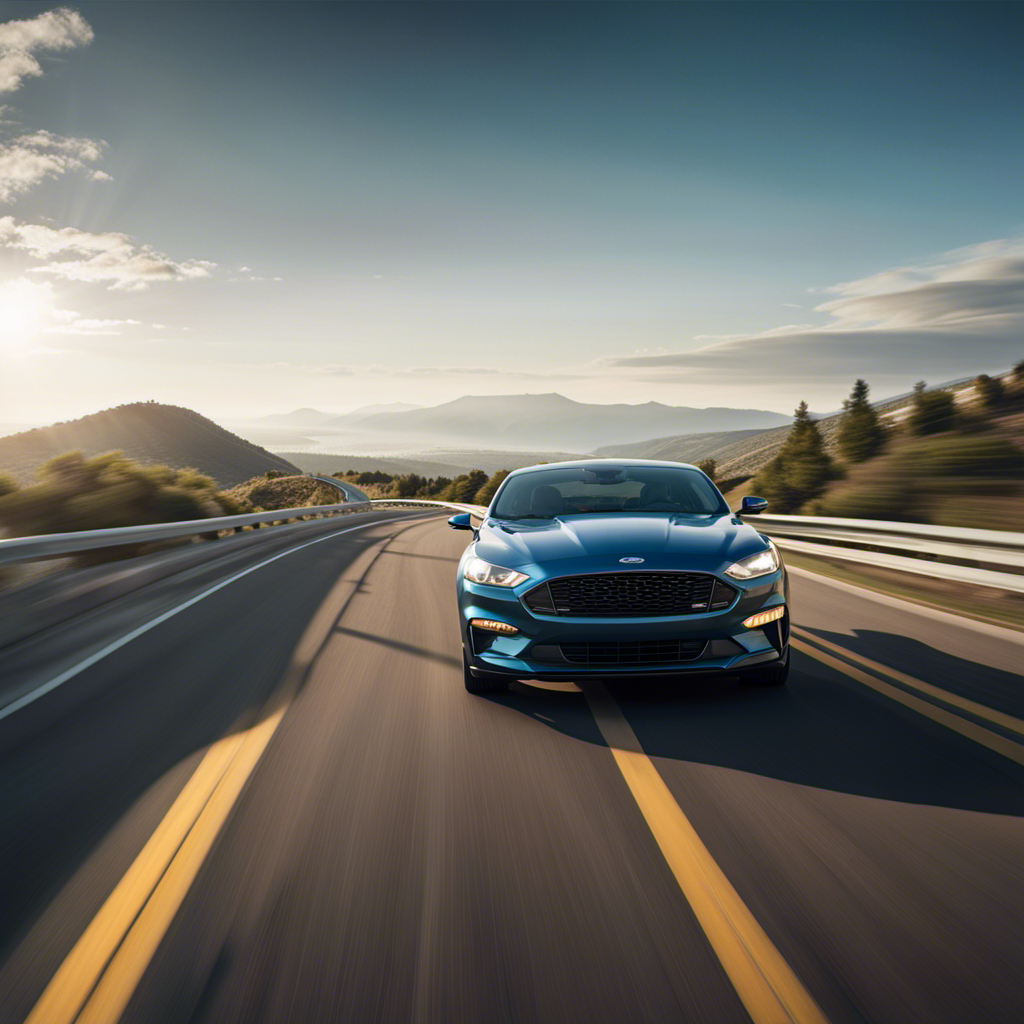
(630, 595)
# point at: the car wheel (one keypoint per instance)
(774, 675)
(486, 682)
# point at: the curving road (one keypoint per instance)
(276, 803)
(351, 493)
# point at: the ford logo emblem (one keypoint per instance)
(631, 561)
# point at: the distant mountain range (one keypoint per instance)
(433, 462)
(308, 419)
(550, 421)
(149, 432)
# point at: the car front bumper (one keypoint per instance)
(535, 651)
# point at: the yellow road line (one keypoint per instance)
(125, 970)
(948, 697)
(765, 983)
(69, 987)
(987, 738)
(99, 976)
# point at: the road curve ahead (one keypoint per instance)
(277, 803)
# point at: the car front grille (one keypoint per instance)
(632, 652)
(622, 595)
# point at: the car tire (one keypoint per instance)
(485, 682)
(774, 675)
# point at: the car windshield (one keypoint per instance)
(551, 492)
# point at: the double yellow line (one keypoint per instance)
(767, 986)
(99, 976)
(907, 695)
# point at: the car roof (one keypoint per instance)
(597, 463)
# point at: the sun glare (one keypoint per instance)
(24, 309)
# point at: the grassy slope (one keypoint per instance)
(939, 478)
(285, 492)
(148, 432)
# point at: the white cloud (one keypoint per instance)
(61, 29)
(109, 257)
(26, 160)
(959, 313)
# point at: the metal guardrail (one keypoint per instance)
(988, 558)
(54, 545)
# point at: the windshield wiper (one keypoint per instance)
(527, 515)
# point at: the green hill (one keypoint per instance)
(150, 433)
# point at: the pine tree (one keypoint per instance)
(860, 434)
(801, 470)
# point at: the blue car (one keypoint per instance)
(619, 568)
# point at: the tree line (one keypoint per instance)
(803, 469)
(472, 488)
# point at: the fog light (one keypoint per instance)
(763, 618)
(494, 626)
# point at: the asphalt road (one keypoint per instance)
(351, 493)
(279, 804)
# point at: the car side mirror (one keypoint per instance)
(752, 506)
(462, 521)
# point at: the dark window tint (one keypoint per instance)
(552, 492)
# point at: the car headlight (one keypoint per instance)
(760, 564)
(480, 571)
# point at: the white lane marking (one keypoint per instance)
(99, 655)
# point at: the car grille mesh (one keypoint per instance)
(628, 652)
(619, 595)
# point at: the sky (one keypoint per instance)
(247, 208)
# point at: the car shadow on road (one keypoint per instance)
(992, 687)
(822, 730)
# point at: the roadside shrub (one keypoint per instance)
(932, 412)
(989, 390)
(708, 466)
(109, 490)
(1018, 373)
(8, 485)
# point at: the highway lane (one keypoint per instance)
(402, 851)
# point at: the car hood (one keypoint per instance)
(595, 543)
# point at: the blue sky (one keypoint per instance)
(615, 201)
